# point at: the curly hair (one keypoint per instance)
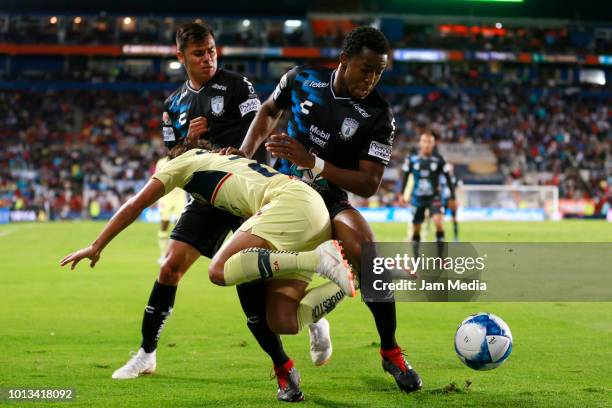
(192, 32)
(365, 37)
(186, 145)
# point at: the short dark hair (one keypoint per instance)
(365, 37)
(192, 32)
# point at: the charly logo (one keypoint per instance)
(348, 129)
(216, 105)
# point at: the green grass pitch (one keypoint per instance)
(62, 328)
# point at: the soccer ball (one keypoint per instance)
(483, 341)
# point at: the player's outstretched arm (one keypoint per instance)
(264, 122)
(128, 212)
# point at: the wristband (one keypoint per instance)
(318, 166)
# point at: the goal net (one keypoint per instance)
(508, 202)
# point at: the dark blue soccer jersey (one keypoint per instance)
(426, 172)
(228, 101)
(340, 130)
(445, 188)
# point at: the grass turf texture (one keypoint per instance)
(63, 328)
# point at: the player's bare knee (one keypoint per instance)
(171, 271)
(215, 273)
(354, 246)
(282, 323)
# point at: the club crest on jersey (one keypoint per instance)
(216, 105)
(348, 129)
(433, 166)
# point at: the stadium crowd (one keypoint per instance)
(75, 153)
(107, 29)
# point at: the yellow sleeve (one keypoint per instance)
(172, 174)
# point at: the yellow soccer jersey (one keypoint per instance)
(177, 196)
(232, 183)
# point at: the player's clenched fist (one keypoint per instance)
(197, 127)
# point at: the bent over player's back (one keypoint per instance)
(232, 183)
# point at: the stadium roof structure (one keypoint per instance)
(580, 10)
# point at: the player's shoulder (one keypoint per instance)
(320, 72)
(161, 162)
(437, 157)
(308, 75)
(376, 101)
(227, 77)
(176, 94)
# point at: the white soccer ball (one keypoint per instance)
(483, 341)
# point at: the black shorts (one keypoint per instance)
(335, 203)
(204, 227)
(434, 207)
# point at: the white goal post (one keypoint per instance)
(508, 202)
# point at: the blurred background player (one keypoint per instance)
(170, 207)
(426, 169)
(446, 193)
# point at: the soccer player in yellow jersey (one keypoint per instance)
(285, 240)
(170, 207)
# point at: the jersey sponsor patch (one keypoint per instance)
(168, 134)
(382, 151)
(250, 105)
(166, 119)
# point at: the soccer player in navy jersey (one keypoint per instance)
(218, 106)
(426, 169)
(340, 136)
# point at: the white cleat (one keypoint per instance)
(333, 266)
(140, 363)
(320, 342)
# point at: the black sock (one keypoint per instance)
(386, 323)
(156, 313)
(252, 297)
(440, 242)
(455, 227)
(416, 242)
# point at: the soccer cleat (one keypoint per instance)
(141, 363)
(394, 363)
(334, 266)
(288, 380)
(320, 342)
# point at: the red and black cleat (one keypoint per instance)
(394, 363)
(288, 380)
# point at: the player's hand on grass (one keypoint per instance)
(90, 253)
(285, 147)
(197, 127)
(232, 151)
